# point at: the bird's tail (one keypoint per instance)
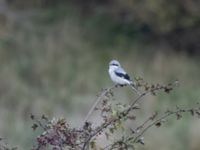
(135, 88)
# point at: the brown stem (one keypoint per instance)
(96, 103)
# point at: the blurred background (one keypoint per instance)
(54, 58)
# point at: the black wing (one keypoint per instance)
(123, 75)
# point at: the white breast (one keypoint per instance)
(115, 78)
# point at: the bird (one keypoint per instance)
(119, 76)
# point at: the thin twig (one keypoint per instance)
(118, 117)
(169, 113)
(96, 103)
(135, 139)
(113, 120)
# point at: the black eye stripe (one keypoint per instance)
(115, 64)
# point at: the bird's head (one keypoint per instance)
(114, 63)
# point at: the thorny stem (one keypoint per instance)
(96, 103)
(135, 139)
(87, 133)
(106, 124)
(119, 117)
(169, 113)
(100, 98)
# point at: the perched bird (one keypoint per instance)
(119, 76)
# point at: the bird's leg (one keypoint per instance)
(136, 90)
(116, 85)
(119, 85)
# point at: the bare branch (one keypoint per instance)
(97, 102)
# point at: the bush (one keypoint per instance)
(58, 134)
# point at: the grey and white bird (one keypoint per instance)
(119, 76)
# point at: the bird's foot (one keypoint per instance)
(120, 85)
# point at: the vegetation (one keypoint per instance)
(115, 117)
(54, 55)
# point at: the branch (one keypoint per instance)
(96, 103)
(113, 120)
(81, 138)
(178, 112)
(159, 120)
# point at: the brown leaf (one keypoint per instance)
(32, 116)
(146, 88)
(179, 116)
(153, 93)
(34, 126)
(131, 117)
(111, 130)
(158, 124)
(93, 144)
(44, 118)
(192, 112)
(168, 89)
(107, 135)
(198, 113)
